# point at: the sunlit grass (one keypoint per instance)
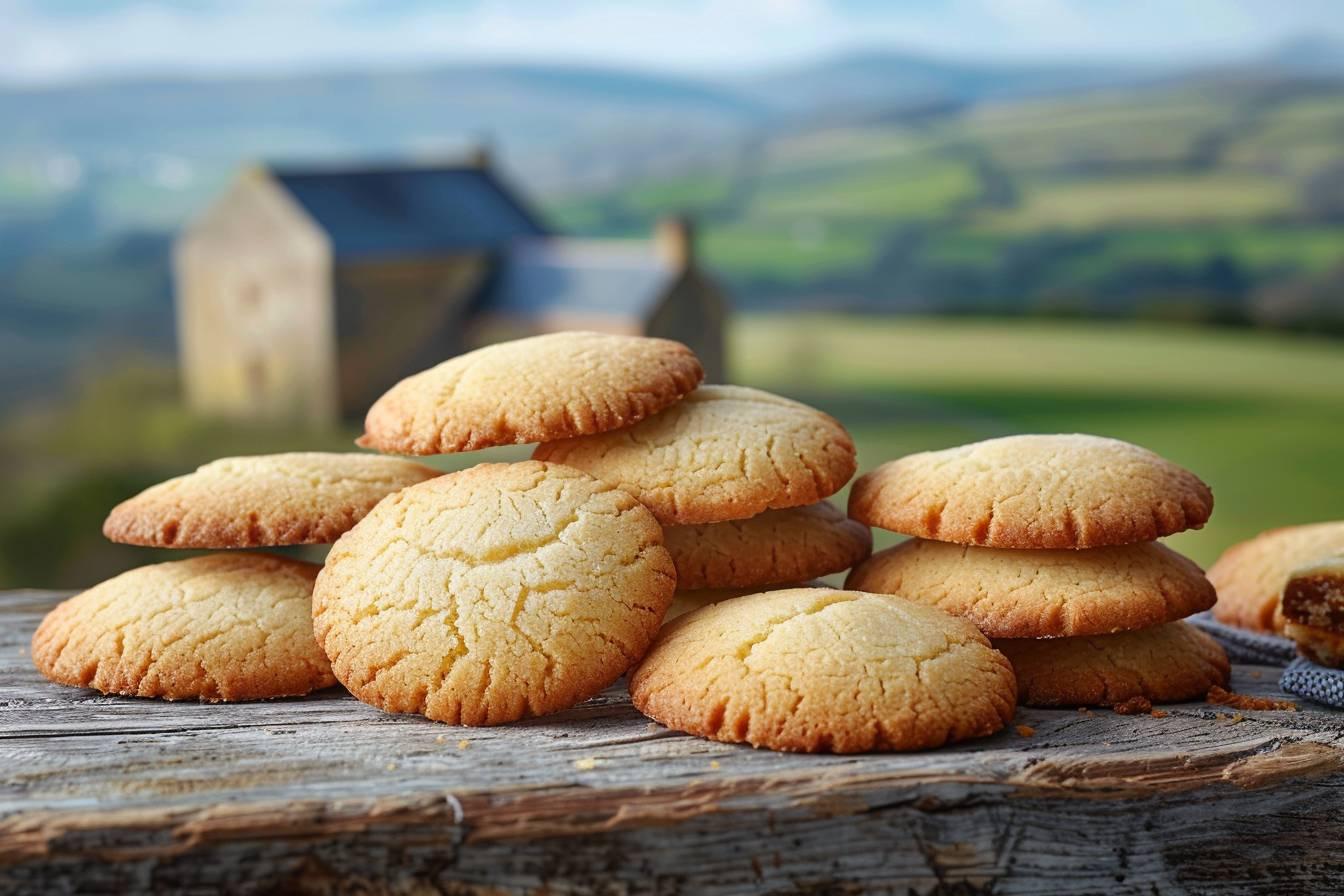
(1159, 198)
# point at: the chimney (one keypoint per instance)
(479, 155)
(674, 239)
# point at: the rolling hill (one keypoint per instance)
(1188, 198)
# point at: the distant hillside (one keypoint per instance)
(858, 80)
(1205, 198)
(141, 154)
(532, 110)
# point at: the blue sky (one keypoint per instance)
(57, 40)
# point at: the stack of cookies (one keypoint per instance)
(234, 626)
(712, 490)
(1048, 544)
(739, 480)
(502, 591)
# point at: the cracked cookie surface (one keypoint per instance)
(539, 389)
(221, 627)
(1250, 576)
(1041, 594)
(724, 453)
(1034, 492)
(265, 500)
(1165, 664)
(818, 670)
(771, 548)
(502, 591)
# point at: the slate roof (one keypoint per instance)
(411, 211)
(537, 277)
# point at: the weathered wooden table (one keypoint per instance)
(325, 794)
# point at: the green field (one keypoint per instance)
(1259, 417)
(1172, 199)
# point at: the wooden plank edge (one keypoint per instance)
(575, 810)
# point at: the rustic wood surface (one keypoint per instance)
(325, 794)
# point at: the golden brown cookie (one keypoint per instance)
(1041, 594)
(221, 627)
(1034, 491)
(1165, 664)
(725, 453)
(684, 602)
(503, 591)
(262, 501)
(1250, 576)
(818, 670)
(539, 389)
(778, 546)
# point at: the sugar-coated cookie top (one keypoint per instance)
(822, 670)
(538, 389)
(502, 591)
(1034, 492)
(219, 627)
(777, 546)
(262, 501)
(1041, 594)
(725, 453)
(1250, 575)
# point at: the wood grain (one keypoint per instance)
(324, 794)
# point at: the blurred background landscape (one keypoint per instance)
(939, 222)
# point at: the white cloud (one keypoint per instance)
(693, 35)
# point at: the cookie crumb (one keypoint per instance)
(1159, 713)
(1025, 731)
(1085, 710)
(1257, 674)
(391, 766)
(714, 764)
(1133, 706)
(439, 739)
(1221, 697)
(463, 744)
(585, 764)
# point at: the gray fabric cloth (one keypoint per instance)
(1244, 646)
(1306, 679)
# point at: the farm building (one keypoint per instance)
(304, 294)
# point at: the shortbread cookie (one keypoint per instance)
(1165, 664)
(818, 670)
(221, 627)
(725, 453)
(540, 389)
(1250, 576)
(1041, 594)
(684, 602)
(503, 591)
(1036, 491)
(790, 545)
(262, 501)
